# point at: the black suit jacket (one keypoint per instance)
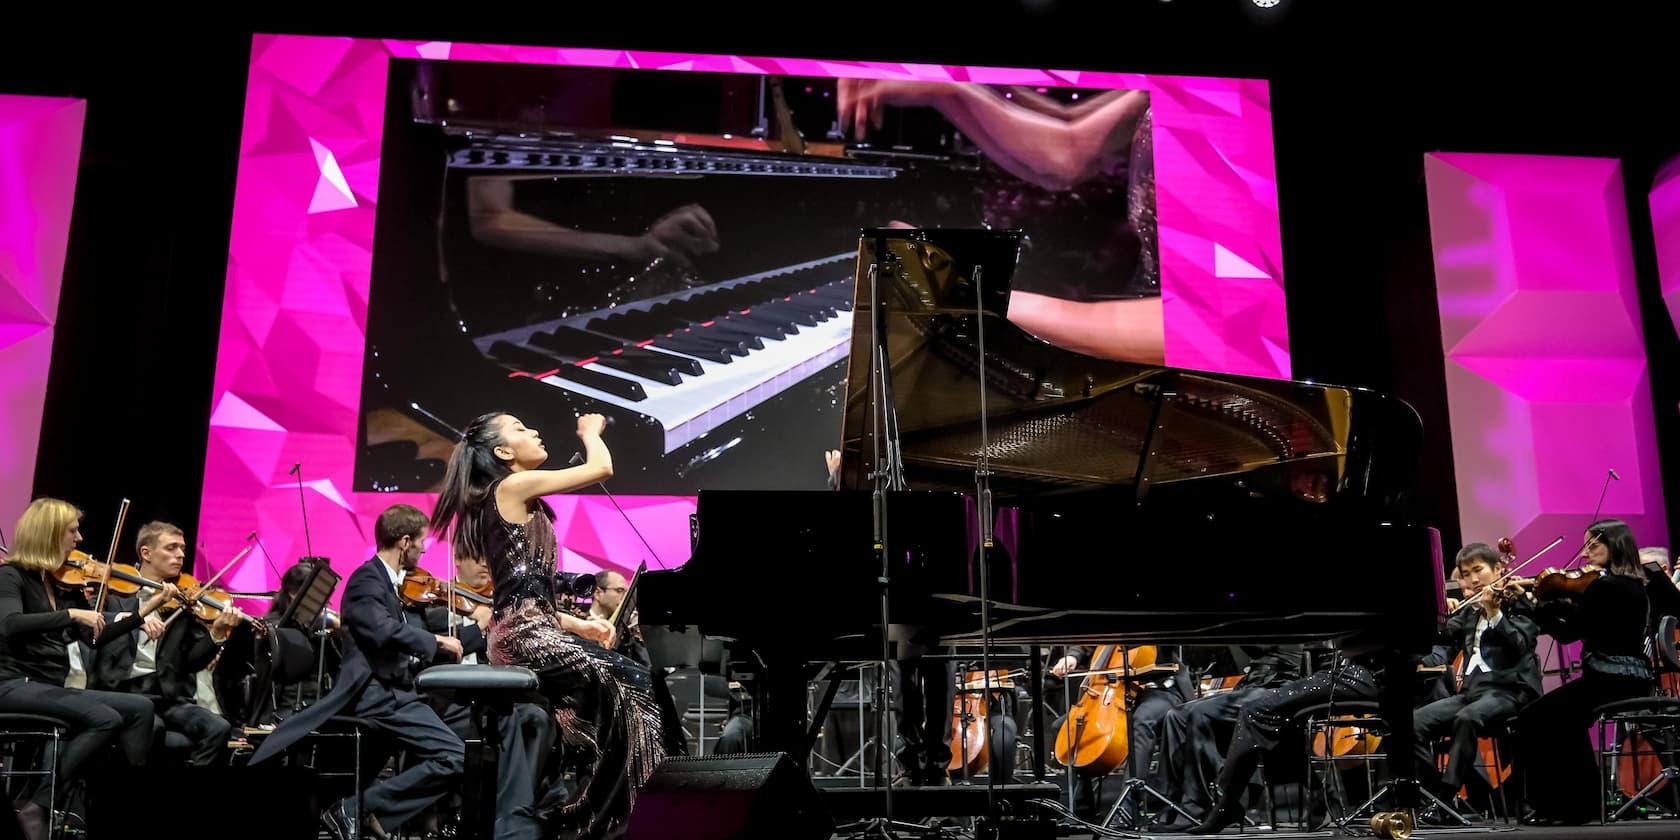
(436, 620)
(1507, 648)
(185, 649)
(383, 647)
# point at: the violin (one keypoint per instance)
(421, 588)
(208, 602)
(1559, 583)
(81, 569)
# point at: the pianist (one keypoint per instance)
(492, 504)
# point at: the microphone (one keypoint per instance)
(251, 536)
(1613, 475)
(295, 468)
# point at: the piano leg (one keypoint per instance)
(1395, 702)
(782, 710)
(1035, 677)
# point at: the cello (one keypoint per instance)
(1094, 737)
(969, 752)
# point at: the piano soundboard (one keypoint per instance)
(691, 360)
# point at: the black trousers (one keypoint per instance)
(436, 755)
(95, 718)
(1554, 745)
(1465, 717)
(1262, 723)
(1194, 738)
(527, 737)
(926, 691)
(208, 732)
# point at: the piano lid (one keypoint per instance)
(1060, 420)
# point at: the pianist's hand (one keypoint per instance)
(451, 644)
(598, 629)
(861, 102)
(832, 458)
(685, 232)
(591, 424)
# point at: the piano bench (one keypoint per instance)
(491, 691)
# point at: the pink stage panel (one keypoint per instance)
(40, 147)
(1665, 229)
(1547, 380)
(293, 326)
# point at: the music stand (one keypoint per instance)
(309, 603)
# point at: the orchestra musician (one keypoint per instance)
(612, 711)
(1264, 720)
(1612, 616)
(38, 618)
(376, 683)
(161, 660)
(1499, 674)
(610, 589)
(1192, 735)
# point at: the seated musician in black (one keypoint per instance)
(38, 619)
(527, 735)
(1264, 720)
(1194, 736)
(376, 684)
(162, 658)
(1498, 676)
(1613, 618)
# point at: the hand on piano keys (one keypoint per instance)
(681, 234)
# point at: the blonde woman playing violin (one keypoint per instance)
(38, 620)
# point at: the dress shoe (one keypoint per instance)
(32, 819)
(337, 822)
(1226, 814)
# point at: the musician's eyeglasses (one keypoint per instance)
(619, 589)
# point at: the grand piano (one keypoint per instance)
(1133, 503)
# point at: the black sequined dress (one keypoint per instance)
(603, 702)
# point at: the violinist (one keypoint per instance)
(161, 660)
(38, 618)
(1498, 675)
(1611, 607)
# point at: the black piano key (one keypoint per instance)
(574, 344)
(746, 324)
(677, 363)
(655, 370)
(793, 314)
(531, 359)
(749, 340)
(728, 344)
(626, 388)
(686, 343)
(763, 320)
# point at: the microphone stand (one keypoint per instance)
(983, 504)
(1563, 666)
(887, 475)
(320, 635)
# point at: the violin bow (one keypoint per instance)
(205, 586)
(1508, 574)
(111, 557)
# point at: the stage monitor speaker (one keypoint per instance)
(753, 796)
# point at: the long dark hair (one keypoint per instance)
(1617, 538)
(473, 468)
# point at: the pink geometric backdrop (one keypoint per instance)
(289, 369)
(1665, 227)
(40, 146)
(1547, 380)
